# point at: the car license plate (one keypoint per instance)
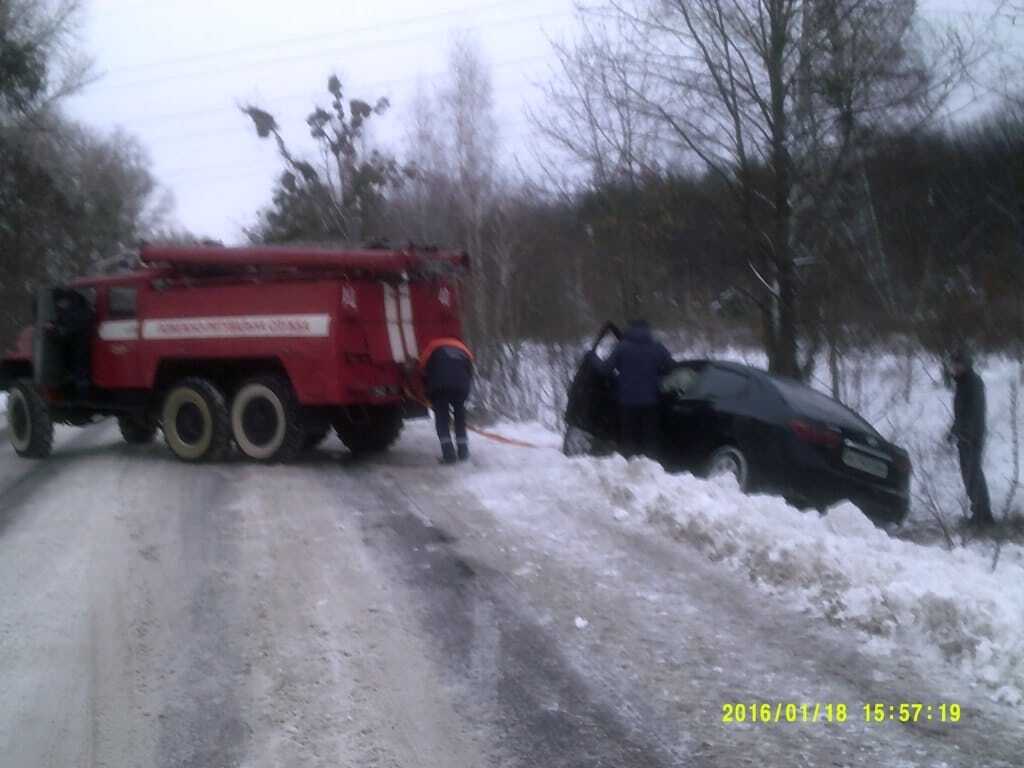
(865, 463)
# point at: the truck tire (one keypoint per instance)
(195, 421)
(265, 419)
(136, 431)
(28, 419)
(374, 434)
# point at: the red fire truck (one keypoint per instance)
(265, 347)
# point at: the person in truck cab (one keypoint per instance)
(638, 363)
(74, 326)
(447, 369)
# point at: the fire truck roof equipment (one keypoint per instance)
(374, 261)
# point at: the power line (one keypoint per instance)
(285, 42)
(186, 171)
(275, 104)
(376, 44)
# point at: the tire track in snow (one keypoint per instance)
(26, 477)
(510, 667)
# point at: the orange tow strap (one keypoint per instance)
(489, 435)
(501, 439)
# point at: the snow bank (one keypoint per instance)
(902, 597)
(839, 566)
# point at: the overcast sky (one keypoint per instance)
(173, 74)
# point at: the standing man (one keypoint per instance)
(968, 431)
(447, 369)
(639, 361)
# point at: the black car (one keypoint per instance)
(772, 433)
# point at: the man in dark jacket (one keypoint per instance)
(639, 361)
(447, 367)
(968, 431)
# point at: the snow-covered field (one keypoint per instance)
(948, 609)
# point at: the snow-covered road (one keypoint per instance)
(396, 613)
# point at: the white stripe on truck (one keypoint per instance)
(119, 330)
(236, 327)
(408, 329)
(394, 330)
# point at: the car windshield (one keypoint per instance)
(817, 405)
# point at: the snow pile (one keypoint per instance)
(839, 566)
(945, 605)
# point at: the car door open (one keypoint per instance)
(591, 402)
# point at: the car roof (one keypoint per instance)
(772, 378)
(730, 366)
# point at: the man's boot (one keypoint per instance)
(447, 453)
(463, 450)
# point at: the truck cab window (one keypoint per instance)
(121, 302)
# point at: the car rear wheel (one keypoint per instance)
(577, 442)
(265, 419)
(729, 460)
(29, 421)
(195, 421)
(580, 442)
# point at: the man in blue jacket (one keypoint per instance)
(447, 368)
(638, 362)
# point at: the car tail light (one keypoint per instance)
(814, 434)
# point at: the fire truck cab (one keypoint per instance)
(263, 347)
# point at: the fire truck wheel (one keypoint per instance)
(135, 431)
(195, 421)
(29, 421)
(376, 431)
(265, 420)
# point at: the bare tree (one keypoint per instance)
(39, 64)
(467, 105)
(589, 115)
(773, 97)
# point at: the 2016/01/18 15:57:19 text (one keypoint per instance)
(835, 712)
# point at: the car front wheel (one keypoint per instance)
(729, 460)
